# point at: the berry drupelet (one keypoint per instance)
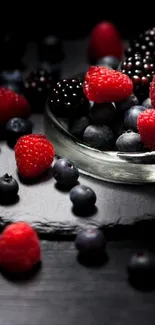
(37, 86)
(68, 100)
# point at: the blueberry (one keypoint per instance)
(12, 80)
(65, 172)
(147, 103)
(15, 128)
(99, 137)
(8, 189)
(78, 126)
(132, 100)
(129, 142)
(131, 116)
(109, 62)
(102, 113)
(82, 197)
(141, 266)
(90, 242)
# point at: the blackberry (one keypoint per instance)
(143, 44)
(37, 86)
(68, 100)
(141, 70)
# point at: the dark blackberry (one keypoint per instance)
(143, 44)
(68, 100)
(141, 70)
(37, 87)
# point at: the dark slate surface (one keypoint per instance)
(49, 209)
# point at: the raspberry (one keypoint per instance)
(146, 128)
(34, 154)
(152, 92)
(12, 105)
(106, 85)
(19, 248)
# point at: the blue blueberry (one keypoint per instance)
(78, 126)
(129, 142)
(99, 137)
(82, 197)
(147, 103)
(65, 172)
(109, 62)
(90, 242)
(102, 113)
(12, 80)
(131, 116)
(132, 100)
(8, 189)
(141, 266)
(15, 128)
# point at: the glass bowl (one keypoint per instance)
(110, 166)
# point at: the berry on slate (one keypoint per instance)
(132, 100)
(19, 248)
(15, 128)
(131, 116)
(105, 40)
(34, 154)
(99, 137)
(146, 128)
(147, 103)
(8, 189)
(68, 100)
(90, 242)
(12, 80)
(108, 62)
(78, 126)
(65, 172)
(82, 197)
(106, 85)
(12, 105)
(141, 266)
(129, 142)
(102, 113)
(37, 87)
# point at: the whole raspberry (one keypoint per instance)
(12, 105)
(146, 128)
(106, 85)
(152, 92)
(19, 248)
(34, 154)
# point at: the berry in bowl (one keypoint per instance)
(103, 127)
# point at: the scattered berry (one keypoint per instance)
(103, 85)
(82, 197)
(152, 92)
(37, 87)
(132, 100)
(8, 189)
(99, 137)
(131, 116)
(146, 128)
(105, 40)
(65, 172)
(78, 126)
(19, 248)
(129, 142)
(109, 62)
(147, 103)
(12, 80)
(141, 266)
(34, 154)
(15, 128)
(68, 100)
(90, 242)
(12, 105)
(102, 113)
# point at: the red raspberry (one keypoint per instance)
(34, 154)
(106, 85)
(19, 248)
(146, 128)
(105, 40)
(12, 105)
(152, 92)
